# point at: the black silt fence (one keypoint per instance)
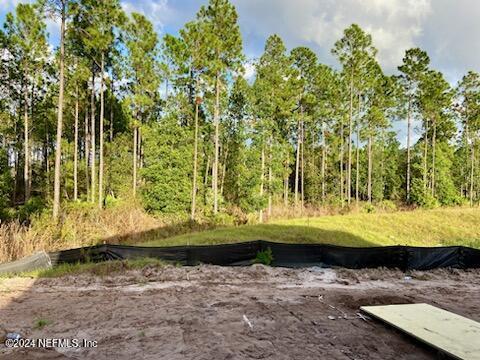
(286, 255)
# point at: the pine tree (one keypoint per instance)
(325, 111)
(436, 99)
(27, 36)
(415, 64)
(273, 104)
(304, 62)
(141, 42)
(96, 21)
(196, 49)
(59, 8)
(222, 33)
(468, 91)
(354, 51)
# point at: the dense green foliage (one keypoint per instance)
(166, 171)
(5, 183)
(176, 123)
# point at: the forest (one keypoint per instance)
(116, 113)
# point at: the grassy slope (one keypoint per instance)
(417, 228)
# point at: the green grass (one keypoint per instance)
(457, 226)
(41, 323)
(98, 269)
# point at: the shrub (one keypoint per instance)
(421, 196)
(222, 219)
(34, 206)
(167, 185)
(6, 185)
(369, 208)
(264, 257)
(387, 205)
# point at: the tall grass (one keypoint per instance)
(126, 222)
(82, 224)
(15, 241)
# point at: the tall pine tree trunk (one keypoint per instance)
(45, 157)
(409, 137)
(207, 169)
(297, 163)
(87, 149)
(92, 137)
(285, 180)
(32, 150)
(467, 163)
(112, 100)
(350, 130)
(324, 152)
(195, 160)
(357, 167)
(216, 121)
(342, 193)
(425, 155)
(370, 167)
(224, 169)
(434, 140)
(102, 109)
(135, 147)
(110, 137)
(302, 147)
(140, 147)
(75, 150)
(58, 149)
(472, 170)
(270, 178)
(16, 177)
(26, 141)
(262, 176)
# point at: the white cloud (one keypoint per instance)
(157, 11)
(395, 25)
(451, 37)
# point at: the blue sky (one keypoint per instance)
(447, 29)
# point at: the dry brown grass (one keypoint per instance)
(15, 241)
(82, 224)
(282, 212)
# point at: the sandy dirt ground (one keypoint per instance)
(210, 312)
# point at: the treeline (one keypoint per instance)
(115, 112)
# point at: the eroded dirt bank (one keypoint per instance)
(210, 312)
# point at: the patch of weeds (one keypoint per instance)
(95, 268)
(264, 257)
(41, 323)
(369, 208)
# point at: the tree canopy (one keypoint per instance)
(175, 122)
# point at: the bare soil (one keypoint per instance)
(210, 312)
